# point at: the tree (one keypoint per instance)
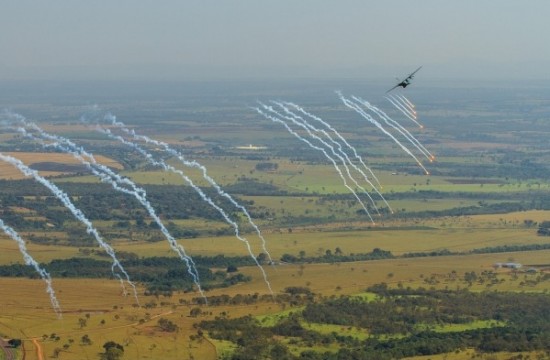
(280, 352)
(82, 322)
(15, 343)
(167, 325)
(195, 312)
(266, 166)
(262, 258)
(113, 351)
(85, 340)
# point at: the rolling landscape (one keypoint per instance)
(175, 220)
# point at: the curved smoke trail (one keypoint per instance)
(64, 198)
(308, 128)
(328, 126)
(277, 120)
(29, 260)
(108, 176)
(398, 127)
(350, 104)
(194, 164)
(341, 151)
(169, 168)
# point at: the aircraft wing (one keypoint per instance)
(414, 72)
(393, 88)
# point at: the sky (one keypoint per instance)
(206, 39)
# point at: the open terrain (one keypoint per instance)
(487, 201)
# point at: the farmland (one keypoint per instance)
(485, 202)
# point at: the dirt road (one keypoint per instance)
(39, 353)
(9, 352)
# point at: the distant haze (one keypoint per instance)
(205, 39)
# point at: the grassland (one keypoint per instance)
(8, 171)
(109, 317)
(27, 312)
(304, 183)
(458, 234)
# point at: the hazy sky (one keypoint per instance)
(284, 38)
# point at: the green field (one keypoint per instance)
(488, 192)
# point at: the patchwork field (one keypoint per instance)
(486, 202)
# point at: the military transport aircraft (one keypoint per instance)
(404, 83)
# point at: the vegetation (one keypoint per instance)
(486, 201)
(15, 343)
(167, 325)
(400, 323)
(161, 275)
(113, 351)
(544, 228)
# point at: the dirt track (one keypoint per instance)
(39, 353)
(9, 353)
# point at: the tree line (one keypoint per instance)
(378, 254)
(160, 275)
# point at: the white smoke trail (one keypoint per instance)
(401, 106)
(328, 126)
(341, 151)
(403, 110)
(306, 126)
(72, 147)
(170, 168)
(409, 104)
(64, 198)
(113, 121)
(299, 121)
(277, 120)
(108, 176)
(398, 99)
(29, 260)
(398, 127)
(365, 115)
